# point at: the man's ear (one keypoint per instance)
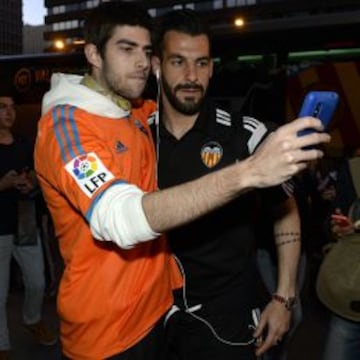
(92, 56)
(155, 64)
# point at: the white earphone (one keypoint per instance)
(157, 74)
(157, 118)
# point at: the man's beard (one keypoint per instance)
(118, 85)
(189, 106)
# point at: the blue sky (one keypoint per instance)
(33, 12)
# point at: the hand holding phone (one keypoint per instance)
(255, 313)
(321, 105)
(341, 220)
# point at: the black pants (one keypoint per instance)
(190, 339)
(151, 347)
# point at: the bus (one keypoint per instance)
(29, 77)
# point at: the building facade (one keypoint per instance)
(65, 17)
(33, 39)
(10, 27)
(270, 25)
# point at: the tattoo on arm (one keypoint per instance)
(284, 238)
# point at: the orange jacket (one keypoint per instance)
(109, 298)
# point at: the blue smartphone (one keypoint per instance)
(321, 105)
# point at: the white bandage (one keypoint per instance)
(119, 217)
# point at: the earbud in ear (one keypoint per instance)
(157, 74)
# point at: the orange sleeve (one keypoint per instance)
(79, 165)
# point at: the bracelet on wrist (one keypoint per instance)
(289, 302)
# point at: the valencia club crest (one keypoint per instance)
(211, 153)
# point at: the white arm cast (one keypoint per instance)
(119, 217)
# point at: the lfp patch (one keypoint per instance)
(211, 153)
(89, 173)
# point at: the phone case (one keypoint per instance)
(319, 104)
(341, 220)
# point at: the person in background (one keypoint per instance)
(96, 165)
(213, 313)
(19, 234)
(343, 338)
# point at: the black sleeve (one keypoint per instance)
(345, 190)
(275, 195)
(25, 155)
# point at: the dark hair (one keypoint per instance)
(186, 21)
(7, 91)
(101, 21)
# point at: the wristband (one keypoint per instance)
(289, 302)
